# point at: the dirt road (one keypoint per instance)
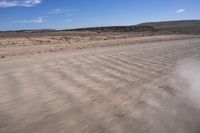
(121, 89)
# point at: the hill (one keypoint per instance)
(182, 27)
(173, 24)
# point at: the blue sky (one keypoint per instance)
(65, 14)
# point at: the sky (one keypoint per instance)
(67, 14)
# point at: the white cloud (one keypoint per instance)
(56, 11)
(68, 12)
(30, 3)
(180, 10)
(19, 3)
(37, 21)
(8, 3)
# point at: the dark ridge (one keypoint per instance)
(173, 24)
(117, 29)
(182, 27)
(29, 31)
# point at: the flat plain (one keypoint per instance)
(131, 85)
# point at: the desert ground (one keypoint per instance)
(130, 79)
(142, 85)
(31, 44)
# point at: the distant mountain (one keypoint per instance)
(173, 24)
(186, 27)
(29, 31)
(117, 29)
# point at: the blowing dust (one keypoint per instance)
(189, 74)
(178, 110)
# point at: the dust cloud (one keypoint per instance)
(189, 73)
(177, 111)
